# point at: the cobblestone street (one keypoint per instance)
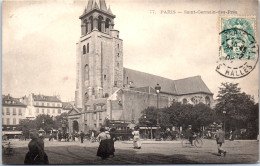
(152, 152)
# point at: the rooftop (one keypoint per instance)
(45, 98)
(183, 86)
(7, 100)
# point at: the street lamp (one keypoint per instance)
(224, 112)
(157, 88)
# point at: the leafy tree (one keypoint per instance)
(61, 119)
(45, 122)
(149, 116)
(237, 105)
(203, 115)
(179, 115)
(26, 125)
(253, 122)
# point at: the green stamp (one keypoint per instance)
(238, 50)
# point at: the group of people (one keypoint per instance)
(106, 137)
(106, 146)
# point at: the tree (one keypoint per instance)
(179, 114)
(149, 116)
(45, 122)
(61, 119)
(26, 125)
(203, 115)
(237, 105)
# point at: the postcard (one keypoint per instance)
(134, 82)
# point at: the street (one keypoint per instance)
(152, 152)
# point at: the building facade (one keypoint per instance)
(42, 104)
(13, 111)
(107, 90)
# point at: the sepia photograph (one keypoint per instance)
(110, 82)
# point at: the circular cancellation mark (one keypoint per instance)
(238, 53)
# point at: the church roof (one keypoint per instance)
(178, 87)
(67, 106)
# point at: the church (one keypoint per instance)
(105, 89)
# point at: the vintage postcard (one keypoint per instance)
(109, 82)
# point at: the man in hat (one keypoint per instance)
(220, 138)
(82, 136)
(190, 134)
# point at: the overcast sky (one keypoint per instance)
(39, 43)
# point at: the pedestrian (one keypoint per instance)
(92, 136)
(36, 154)
(73, 136)
(50, 138)
(189, 133)
(112, 140)
(59, 136)
(220, 138)
(136, 142)
(68, 136)
(103, 149)
(82, 136)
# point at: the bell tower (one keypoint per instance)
(99, 54)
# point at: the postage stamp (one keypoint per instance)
(238, 50)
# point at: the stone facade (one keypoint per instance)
(99, 56)
(107, 90)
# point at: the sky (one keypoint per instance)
(39, 42)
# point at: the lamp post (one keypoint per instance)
(157, 88)
(224, 112)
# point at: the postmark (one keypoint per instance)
(238, 50)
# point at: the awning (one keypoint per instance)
(11, 132)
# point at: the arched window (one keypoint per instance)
(100, 18)
(84, 49)
(106, 95)
(88, 48)
(86, 72)
(91, 23)
(184, 101)
(86, 26)
(107, 24)
(207, 100)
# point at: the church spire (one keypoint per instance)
(90, 4)
(103, 5)
(109, 10)
(95, 5)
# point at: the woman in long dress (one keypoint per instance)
(103, 149)
(112, 141)
(36, 154)
(137, 142)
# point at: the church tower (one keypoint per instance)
(99, 54)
